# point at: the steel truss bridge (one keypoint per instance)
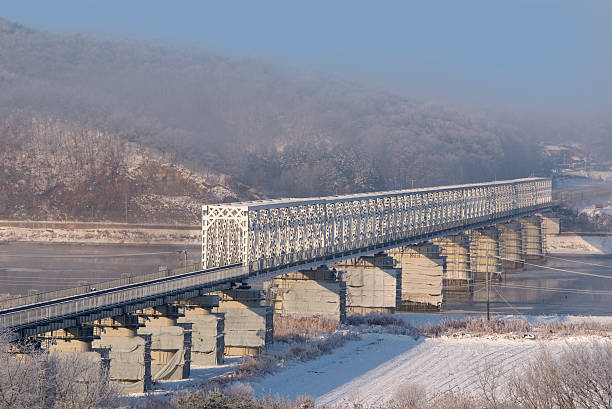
(265, 236)
(272, 237)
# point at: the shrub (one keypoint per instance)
(409, 396)
(580, 378)
(480, 326)
(260, 365)
(476, 326)
(301, 328)
(238, 389)
(385, 323)
(215, 400)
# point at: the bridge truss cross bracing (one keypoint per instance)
(271, 235)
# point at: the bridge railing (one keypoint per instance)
(266, 235)
(107, 300)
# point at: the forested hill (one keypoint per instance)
(243, 129)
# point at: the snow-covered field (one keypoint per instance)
(368, 371)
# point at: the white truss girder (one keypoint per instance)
(270, 234)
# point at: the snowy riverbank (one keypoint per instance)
(579, 244)
(369, 370)
(101, 235)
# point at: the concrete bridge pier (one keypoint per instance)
(458, 280)
(76, 340)
(422, 276)
(550, 224)
(533, 239)
(130, 354)
(307, 293)
(70, 340)
(373, 284)
(170, 342)
(484, 254)
(207, 329)
(249, 323)
(511, 246)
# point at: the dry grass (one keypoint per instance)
(269, 362)
(574, 329)
(384, 320)
(475, 326)
(307, 338)
(222, 399)
(480, 327)
(377, 322)
(301, 328)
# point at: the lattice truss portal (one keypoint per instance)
(270, 234)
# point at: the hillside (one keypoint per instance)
(51, 170)
(183, 123)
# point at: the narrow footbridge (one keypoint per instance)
(266, 238)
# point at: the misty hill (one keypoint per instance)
(57, 170)
(237, 126)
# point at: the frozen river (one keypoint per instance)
(26, 267)
(41, 267)
(584, 288)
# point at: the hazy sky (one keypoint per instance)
(541, 56)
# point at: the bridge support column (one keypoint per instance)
(484, 254)
(307, 293)
(249, 323)
(550, 229)
(207, 329)
(77, 340)
(511, 246)
(130, 354)
(422, 277)
(70, 340)
(533, 239)
(170, 342)
(458, 280)
(550, 224)
(373, 284)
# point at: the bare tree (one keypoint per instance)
(579, 378)
(34, 378)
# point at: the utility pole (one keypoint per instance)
(185, 253)
(488, 278)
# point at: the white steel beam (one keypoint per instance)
(268, 235)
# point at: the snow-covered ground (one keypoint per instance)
(131, 236)
(579, 244)
(368, 371)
